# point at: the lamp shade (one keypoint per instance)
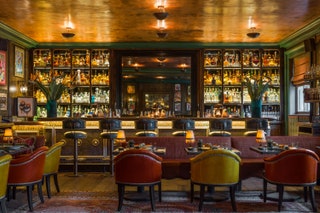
(190, 139)
(261, 136)
(8, 135)
(121, 136)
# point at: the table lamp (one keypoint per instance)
(261, 137)
(190, 138)
(8, 135)
(121, 138)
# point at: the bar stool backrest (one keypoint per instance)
(220, 124)
(110, 124)
(183, 124)
(73, 123)
(257, 123)
(146, 124)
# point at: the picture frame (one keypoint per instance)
(19, 58)
(3, 101)
(26, 106)
(3, 68)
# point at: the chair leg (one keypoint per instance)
(151, 193)
(8, 193)
(29, 195)
(233, 197)
(305, 193)
(160, 192)
(120, 196)
(40, 192)
(265, 183)
(3, 205)
(280, 189)
(56, 183)
(312, 198)
(47, 179)
(191, 191)
(202, 189)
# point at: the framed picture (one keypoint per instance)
(3, 68)
(19, 62)
(26, 107)
(177, 106)
(3, 101)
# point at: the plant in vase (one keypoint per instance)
(52, 91)
(256, 86)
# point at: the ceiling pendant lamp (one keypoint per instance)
(252, 27)
(69, 26)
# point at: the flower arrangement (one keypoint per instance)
(257, 86)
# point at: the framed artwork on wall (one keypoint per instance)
(3, 101)
(19, 62)
(3, 68)
(26, 106)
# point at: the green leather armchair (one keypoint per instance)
(51, 166)
(213, 168)
(4, 171)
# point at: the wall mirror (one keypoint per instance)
(157, 83)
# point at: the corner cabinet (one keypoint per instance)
(86, 71)
(224, 73)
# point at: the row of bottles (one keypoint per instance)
(245, 58)
(236, 76)
(67, 57)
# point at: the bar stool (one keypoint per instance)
(109, 132)
(220, 127)
(181, 126)
(253, 124)
(148, 127)
(74, 126)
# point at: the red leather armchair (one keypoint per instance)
(138, 168)
(296, 167)
(28, 171)
(4, 171)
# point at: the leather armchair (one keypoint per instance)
(138, 168)
(51, 166)
(28, 171)
(215, 168)
(296, 167)
(4, 171)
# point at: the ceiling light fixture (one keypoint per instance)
(161, 15)
(161, 29)
(253, 33)
(69, 26)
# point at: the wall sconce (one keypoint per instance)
(161, 15)
(183, 67)
(23, 89)
(252, 27)
(69, 26)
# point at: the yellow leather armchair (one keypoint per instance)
(51, 166)
(215, 168)
(4, 171)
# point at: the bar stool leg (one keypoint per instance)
(111, 155)
(75, 158)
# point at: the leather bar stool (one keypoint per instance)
(181, 126)
(109, 132)
(220, 127)
(253, 124)
(147, 127)
(74, 127)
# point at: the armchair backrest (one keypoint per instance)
(4, 171)
(53, 158)
(137, 166)
(294, 166)
(28, 168)
(215, 167)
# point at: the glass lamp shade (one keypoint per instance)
(261, 137)
(8, 135)
(121, 137)
(190, 139)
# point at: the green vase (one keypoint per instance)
(51, 109)
(256, 108)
